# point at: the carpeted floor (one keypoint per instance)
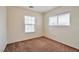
(41, 44)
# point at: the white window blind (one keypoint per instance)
(29, 24)
(53, 20)
(64, 19)
(61, 19)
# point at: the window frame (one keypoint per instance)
(30, 24)
(58, 19)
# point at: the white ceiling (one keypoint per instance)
(39, 8)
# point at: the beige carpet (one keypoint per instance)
(41, 44)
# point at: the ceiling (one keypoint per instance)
(41, 9)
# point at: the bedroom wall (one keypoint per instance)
(16, 24)
(68, 35)
(3, 28)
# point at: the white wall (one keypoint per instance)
(68, 35)
(3, 28)
(16, 24)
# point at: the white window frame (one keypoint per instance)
(29, 24)
(58, 20)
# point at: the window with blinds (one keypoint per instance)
(61, 19)
(29, 24)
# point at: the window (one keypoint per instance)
(53, 20)
(61, 19)
(29, 24)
